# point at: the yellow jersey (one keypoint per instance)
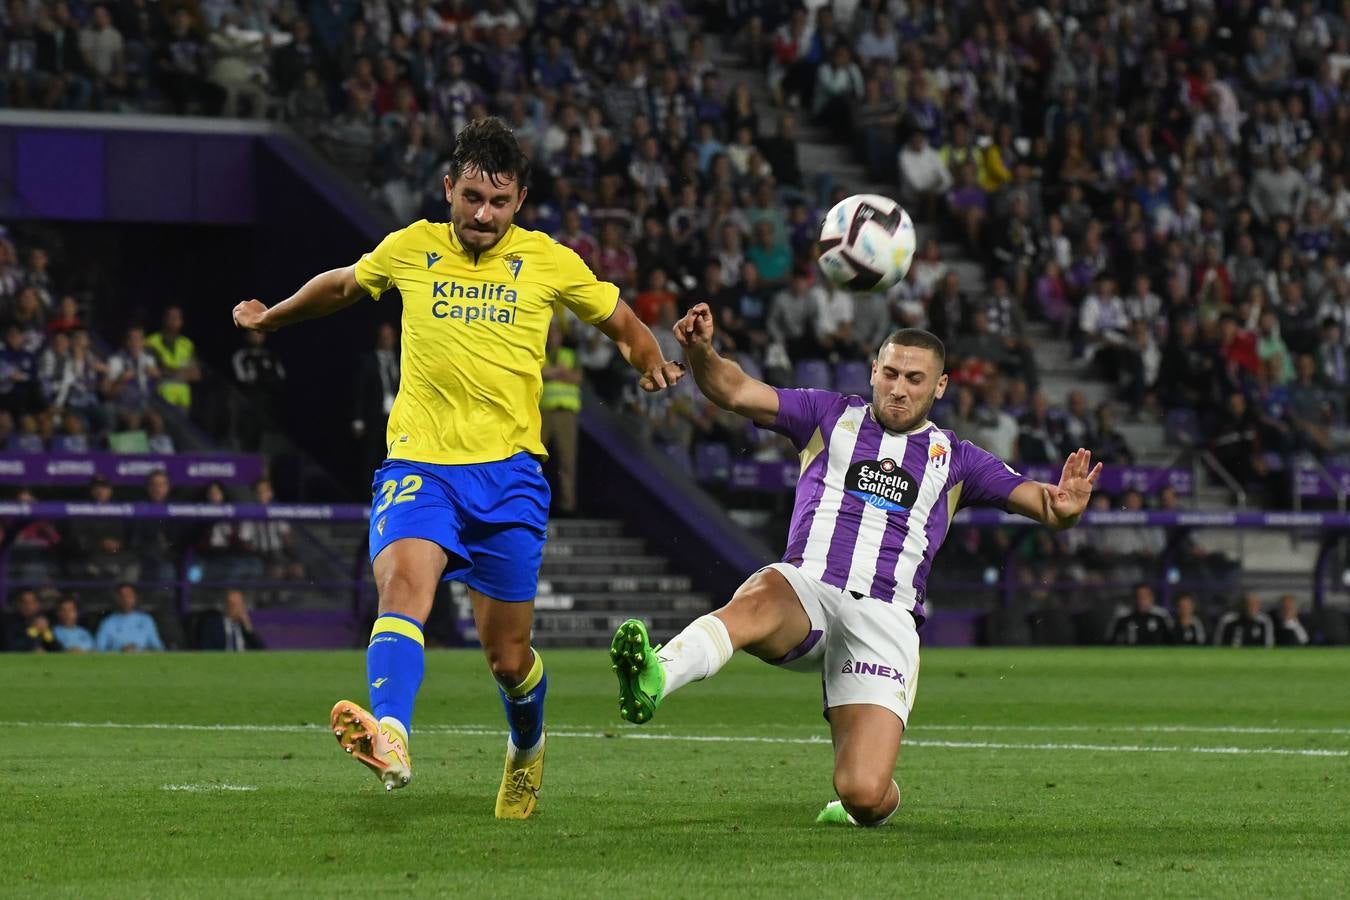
(474, 335)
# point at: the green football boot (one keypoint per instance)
(642, 678)
(834, 814)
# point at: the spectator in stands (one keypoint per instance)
(1107, 443)
(1235, 441)
(1145, 624)
(127, 629)
(105, 51)
(154, 540)
(230, 630)
(261, 377)
(1040, 434)
(176, 358)
(70, 634)
(30, 318)
(559, 406)
(924, 178)
(1189, 629)
(132, 374)
(20, 386)
(1289, 628)
(833, 319)
(1185, 376)
(1249, 627)
(180, 67)
(26, 629)
(67, 318)
(64, 83)
(377, 379)
(99, 546)
(270, 539)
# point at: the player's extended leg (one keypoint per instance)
(504, 630)
(765, 618)
(866, 745)
(406, 575)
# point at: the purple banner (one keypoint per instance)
(1312, 484)
(749, 475)
(1198, 518)
(185, 470)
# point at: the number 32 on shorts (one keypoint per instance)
(396, 492)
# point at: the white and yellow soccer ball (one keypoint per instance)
(866, 243)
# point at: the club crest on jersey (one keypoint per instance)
(513, 265)
(937, 455)
(881, 483)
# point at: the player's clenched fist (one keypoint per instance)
(696, 327)
(660, 377)
(251, 314)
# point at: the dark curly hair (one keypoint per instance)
(489, 146)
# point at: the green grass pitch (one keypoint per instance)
(1062, 773)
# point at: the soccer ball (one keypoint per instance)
(866, 243)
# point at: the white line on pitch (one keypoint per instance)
(203, 788)
(484, 731)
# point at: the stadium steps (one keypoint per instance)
(589, 584)
(565, 547)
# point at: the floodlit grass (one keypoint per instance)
(1026, 773)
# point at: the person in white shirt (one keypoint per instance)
(834, 316)
(924, 177)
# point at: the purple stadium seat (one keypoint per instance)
(813, 373)
(712, 462)
(853, 377)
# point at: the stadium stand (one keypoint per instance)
(1134, 229)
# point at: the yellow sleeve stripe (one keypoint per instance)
(531, 680)
(395, 625)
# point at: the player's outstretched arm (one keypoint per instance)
(639, 348)
(322, 295)
(1059, 505)
(721, 380)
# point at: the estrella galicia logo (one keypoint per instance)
(513, 265)
(883, 484)
(432, 258)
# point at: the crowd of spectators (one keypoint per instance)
(1146, 624)
(58, 392)
(1164, 184)
(47, 621)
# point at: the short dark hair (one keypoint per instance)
(916, 337)
(489, 146)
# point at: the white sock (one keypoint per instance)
(397, 726)
(528, 754)
(695, 653)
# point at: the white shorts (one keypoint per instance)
(866, 650)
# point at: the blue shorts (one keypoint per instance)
(491, 518)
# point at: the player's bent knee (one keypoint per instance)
(866, 795)
(406, 593)
(509, 661)
(760, 600)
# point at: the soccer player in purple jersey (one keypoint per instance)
(878, 487)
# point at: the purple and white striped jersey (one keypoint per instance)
(872, 507)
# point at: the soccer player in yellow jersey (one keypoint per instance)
(462, 495)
